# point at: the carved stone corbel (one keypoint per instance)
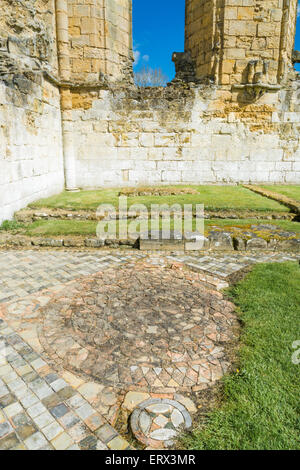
(257, 80)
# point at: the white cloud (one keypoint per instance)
(137, 56)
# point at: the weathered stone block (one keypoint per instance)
(289, 245)
(257, 243)
(93, 242)
(48, 242)
(195, 241)
(220, 241)
(162, 240)
(73, 242)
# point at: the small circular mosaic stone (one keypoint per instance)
(149, 327)
(156, 421)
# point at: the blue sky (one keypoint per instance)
(158, 31)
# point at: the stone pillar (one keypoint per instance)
(288, 30)
(100, 40)
(62, 27)
(225, 38)
(118, 39)
(199, 35)
(68, 141)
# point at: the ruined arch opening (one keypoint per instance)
(158, 31)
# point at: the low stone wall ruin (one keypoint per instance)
(201, 134)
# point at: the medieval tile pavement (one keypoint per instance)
(52, 398)
(26, 272)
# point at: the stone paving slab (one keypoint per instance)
(38, 409)
(45, 408)
(26, 272)
(224, 265)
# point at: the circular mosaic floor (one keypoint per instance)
(145, 326)
(155, 422)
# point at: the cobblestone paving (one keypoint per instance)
(43, 405)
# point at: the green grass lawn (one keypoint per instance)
(260, 408)
(213, 197)
(292, 191)
(59, 227)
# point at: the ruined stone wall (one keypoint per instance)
(287, 41)
(224, 36)
(100, 39)
(173, 135)
(119, 37)
(28, 31)
(69, 112)
(289, 20)
(199, 34)
(31, 164)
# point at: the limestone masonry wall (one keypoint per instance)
(28, 30)
(198, 135)
(31, 163)
(71, 116)
(100, 38)
(200, 16)
(227, 37)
